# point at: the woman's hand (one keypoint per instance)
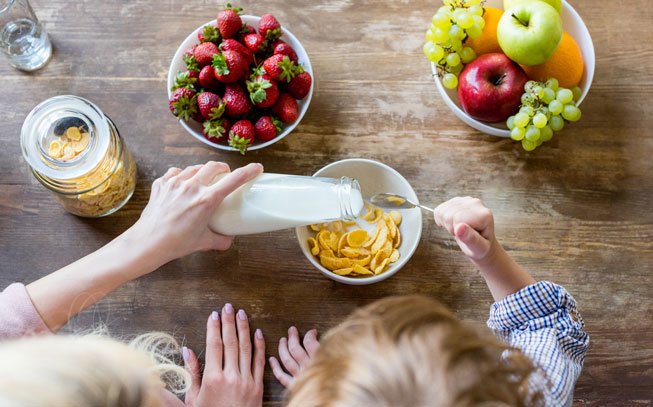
(175, 221)
(471, 223)
(232, 376)
(295, 356)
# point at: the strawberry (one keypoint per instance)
(210, 105)
(183, 103)
(189, 59)
(185, 80)
(247, 29)
(280, 68)
(233, 45)
(216, 131)
(269, 27)
(254, 42)
(209, 33)
(207, 78)
(229, 66)
(204, 53)
(263, 91)
(284, 49)
(229, 22)
(267, 128)
(242, 135)
(237, 101)
(300, 85)
(286, 108)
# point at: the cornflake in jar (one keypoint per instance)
(77, 153)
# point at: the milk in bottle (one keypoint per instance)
(275, 201)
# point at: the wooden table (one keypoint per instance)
(577, 211)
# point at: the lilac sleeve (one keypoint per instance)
(18, 317)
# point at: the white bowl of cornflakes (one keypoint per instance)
(373, 177)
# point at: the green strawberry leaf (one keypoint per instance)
(239, 143)
(191, 63)
(217, 112)
(220, 64)
(214, 128)
(211, 34)
(278, 124)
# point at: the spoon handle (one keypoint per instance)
(426, 208)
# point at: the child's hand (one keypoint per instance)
(471, 223)
(232, 377)
(294, 356)
(175, 221)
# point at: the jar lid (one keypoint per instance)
(65, 121)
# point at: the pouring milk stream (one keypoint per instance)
(275, 201)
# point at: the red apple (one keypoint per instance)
(490, 87)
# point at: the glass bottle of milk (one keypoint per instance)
(275, 201)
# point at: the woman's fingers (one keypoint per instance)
(172, 171)
(244, 344)
(192, 366)
(214, 344)
(234, 180)
(296, 349)
(284, 378)
(220, 242)
(230, 339)
(189, 172)
(209, 171)
(286, 358)
(258, 363)
(311, 344)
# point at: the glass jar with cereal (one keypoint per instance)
(76, 152)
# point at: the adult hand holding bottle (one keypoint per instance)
(173, 224)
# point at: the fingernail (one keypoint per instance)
(259, 334)
(292, 328)
(314, 331)
(228, 308)
(185, 353)
(242, 315)
(215, 316)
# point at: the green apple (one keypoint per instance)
(556, 4)
(530, 32)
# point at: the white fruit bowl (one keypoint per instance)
(572, 24)
(195, 128)
(373, 177)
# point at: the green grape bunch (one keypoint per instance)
(451, 25)
(545, 108)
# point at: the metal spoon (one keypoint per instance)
(394, 201)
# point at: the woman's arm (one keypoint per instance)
(173, 224)
(472, 224)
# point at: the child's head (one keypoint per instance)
(412, 352)
(89, 370)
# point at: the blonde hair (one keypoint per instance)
(412, 352)
(89, 370)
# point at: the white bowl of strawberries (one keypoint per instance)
(240, 83)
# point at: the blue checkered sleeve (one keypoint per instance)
(542, 321)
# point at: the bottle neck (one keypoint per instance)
(350, 198)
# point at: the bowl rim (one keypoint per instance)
(393, 269)
(487, 128)
(251, 19)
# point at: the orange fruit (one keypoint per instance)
(566, 65)
(487, 42)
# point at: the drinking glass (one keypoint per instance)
(22, 38)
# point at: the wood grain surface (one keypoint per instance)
(577, 211)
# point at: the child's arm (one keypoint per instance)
(540, 318)
(472, 224)
(173, 224)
